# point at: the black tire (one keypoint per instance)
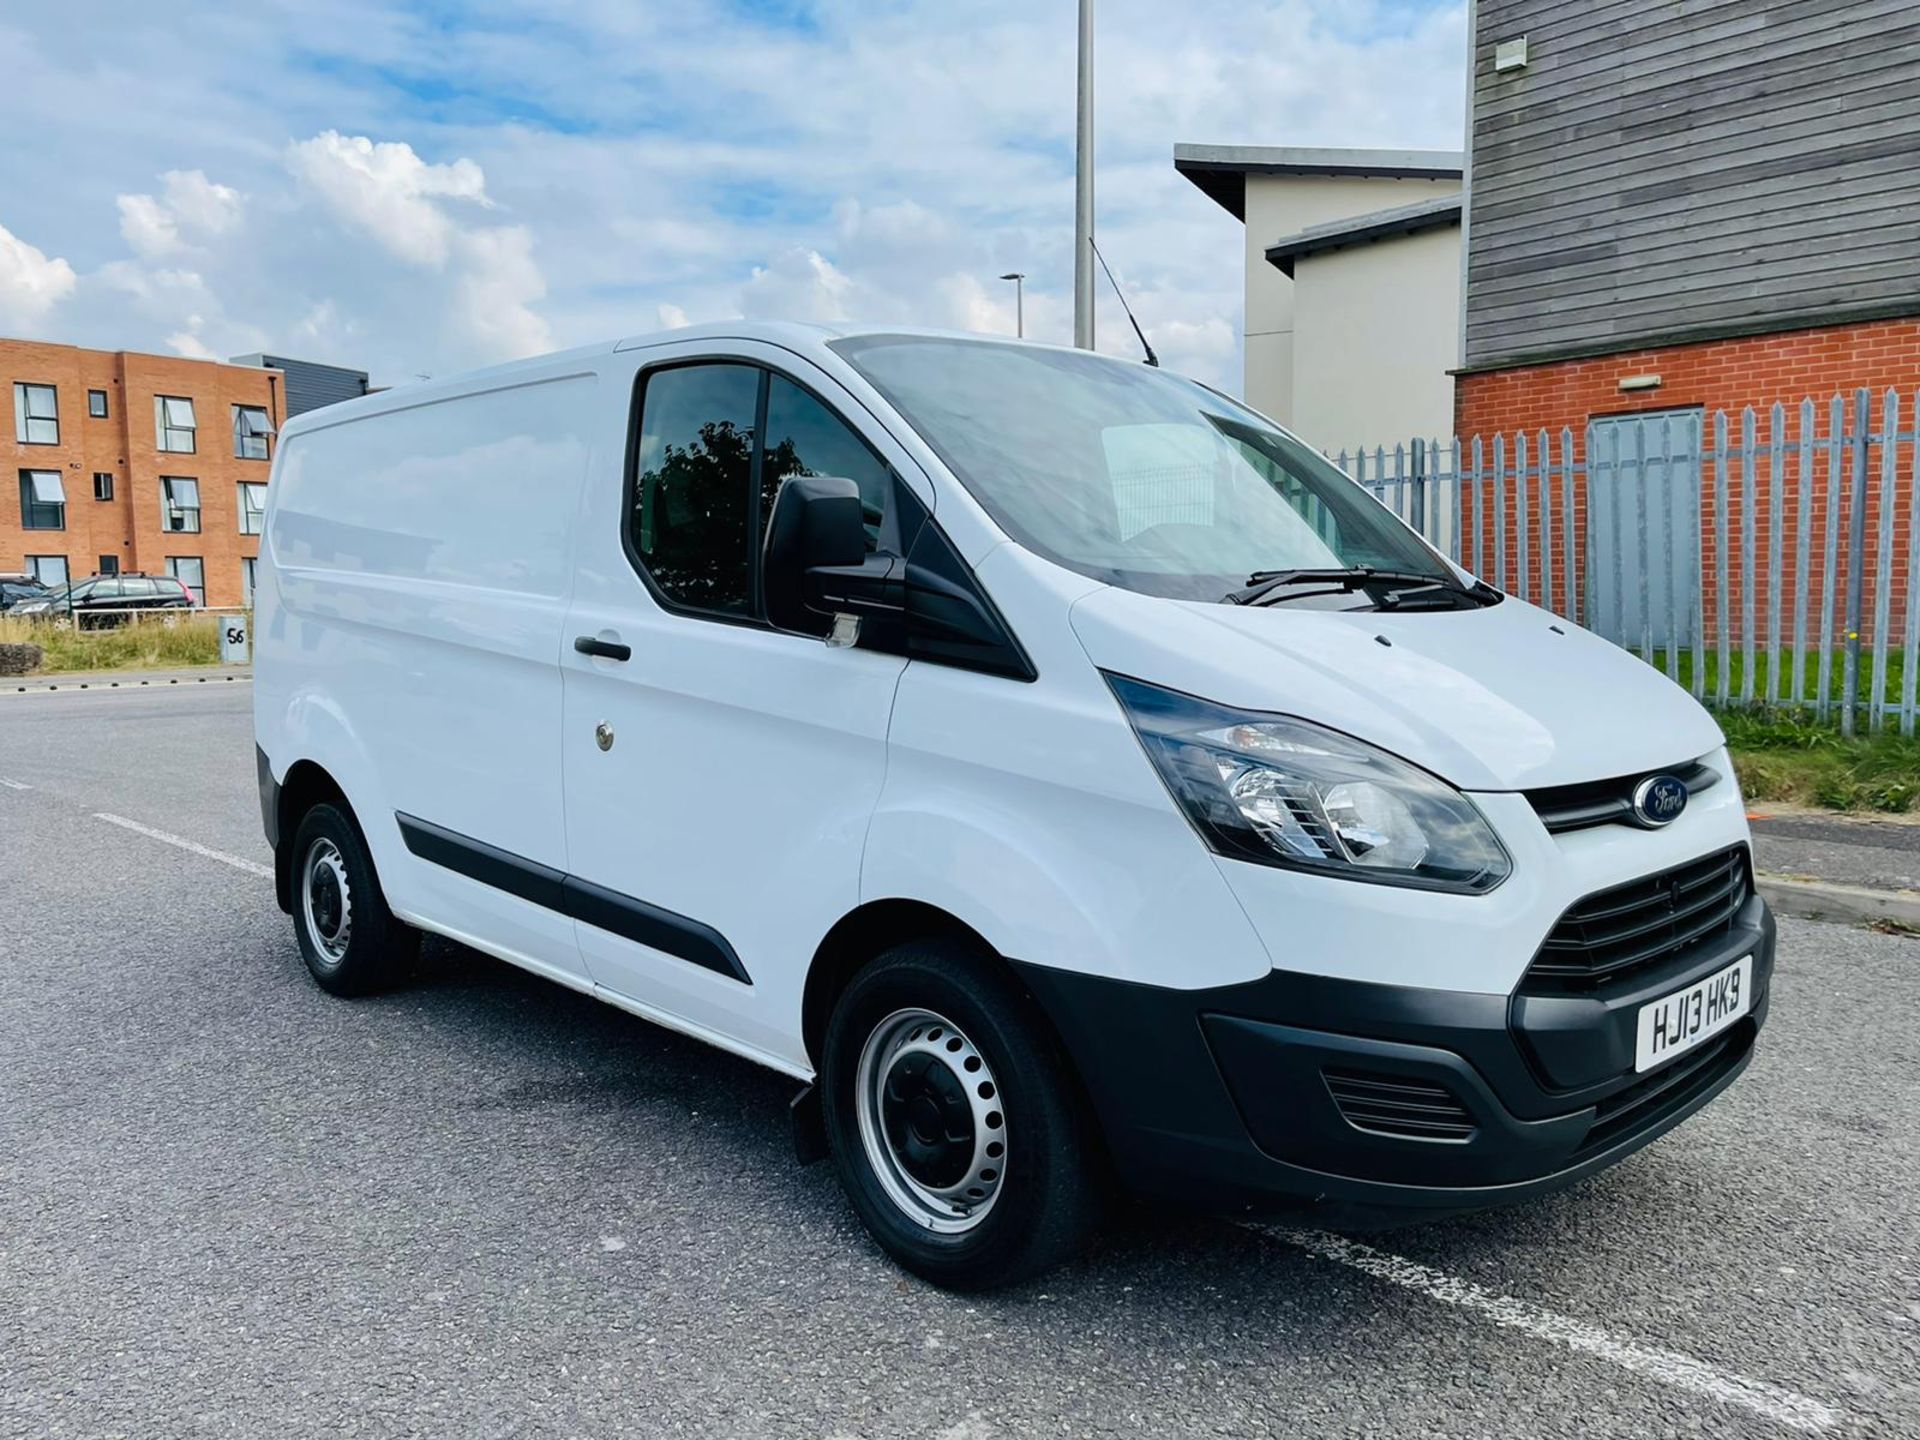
(350, 940)
(1043, 1197)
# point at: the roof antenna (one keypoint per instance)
(1152, 359)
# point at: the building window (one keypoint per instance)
(253, 507)
(36, 414)
(49, 570)
(102, 485)
(250, 431)
(247, 566)
(179, 505)
(97, 404)
(109, 565)
(43, 500)
(190, 571)
(173, 423)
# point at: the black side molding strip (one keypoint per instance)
(582, 900)
(541, 884)
(649, 925)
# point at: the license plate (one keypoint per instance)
(1676, 1023)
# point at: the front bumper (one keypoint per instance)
(1220, 1098)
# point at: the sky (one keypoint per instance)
(417, 189)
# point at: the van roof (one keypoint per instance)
(801, 337)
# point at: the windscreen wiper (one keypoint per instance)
(1264, 583)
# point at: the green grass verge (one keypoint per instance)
(1763, 677)
(159, 644)
(1794, 759)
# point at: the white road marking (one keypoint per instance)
(1669, 1367)
(252, 867)
(14, 784)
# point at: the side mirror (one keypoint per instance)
(817, 524)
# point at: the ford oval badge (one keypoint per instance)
(1658, 800)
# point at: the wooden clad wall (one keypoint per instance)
(1673, 170)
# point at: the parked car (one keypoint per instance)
(101, 601)
(1062, 772)
(16, 588)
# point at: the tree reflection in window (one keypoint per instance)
(695, 478)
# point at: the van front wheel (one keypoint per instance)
(350, 940)
(953, 1120)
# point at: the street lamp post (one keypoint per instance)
(1018, 277)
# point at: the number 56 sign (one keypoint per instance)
(233, 640)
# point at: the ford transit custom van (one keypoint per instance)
(1063, 773)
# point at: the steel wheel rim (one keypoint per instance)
(930, 1120)
(326, 900)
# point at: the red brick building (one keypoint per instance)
(117, 462)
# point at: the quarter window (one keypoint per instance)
(174, 424)
(36, 414)
(43, 500)
(179, 504)
(693, 476)
(250, 431)
(191, 571)
(253, 507)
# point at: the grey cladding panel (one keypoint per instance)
(1661, 171)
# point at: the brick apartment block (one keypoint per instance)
(111, 467)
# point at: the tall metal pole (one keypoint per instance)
(1083, 190)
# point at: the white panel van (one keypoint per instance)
(1062, 772)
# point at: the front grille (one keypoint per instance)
(1632, 926)
(1666, 1089)
(1396, 1105)
(1608, 802)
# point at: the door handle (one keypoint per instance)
(604, 649)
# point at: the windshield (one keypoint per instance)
(1128, 474)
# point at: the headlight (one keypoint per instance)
(1281, 791)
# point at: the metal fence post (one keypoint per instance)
(1417, 503)
(1856, 560)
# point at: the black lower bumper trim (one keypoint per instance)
(1222, 1097)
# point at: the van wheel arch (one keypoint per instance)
(857, 939)
(865, 934)
(307, 785)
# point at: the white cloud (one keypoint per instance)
(802, 284)
(498, 286)
(191, 209)
(186, 343)
(31, 284)
(672, 317)
(388, 191)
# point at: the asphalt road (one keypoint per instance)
(485, 1206)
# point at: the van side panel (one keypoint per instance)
(421, 562)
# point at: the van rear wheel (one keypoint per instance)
(350, 940)
(954, 1122)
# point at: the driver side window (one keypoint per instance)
(715, 440)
